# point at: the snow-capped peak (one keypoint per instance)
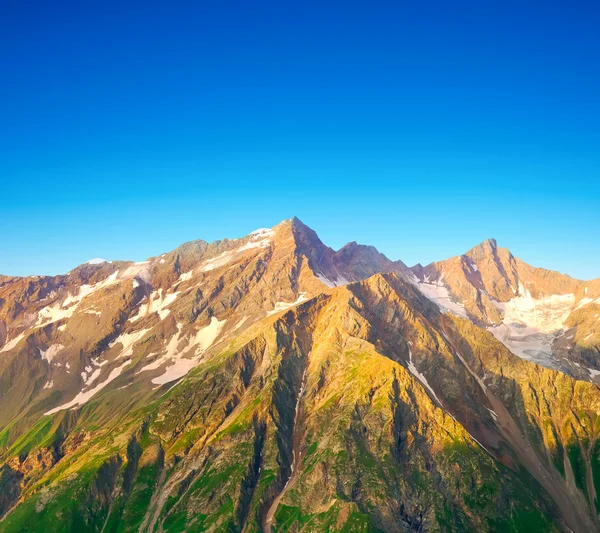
(263, 232)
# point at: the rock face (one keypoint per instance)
(270, 383)
(540, 315)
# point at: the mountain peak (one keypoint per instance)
(490, 243)
(297, 228)
(302, 234)
(487, 248)
(296, 222)
(353, 245)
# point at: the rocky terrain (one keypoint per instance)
(270, 383)
(540, 315)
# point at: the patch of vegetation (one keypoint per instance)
(578, 465)
(595, 460)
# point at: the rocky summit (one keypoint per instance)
(271, 383)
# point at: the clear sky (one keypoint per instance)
(423, 128)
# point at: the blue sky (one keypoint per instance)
(127, 128)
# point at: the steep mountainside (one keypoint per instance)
(540, 315)
(68, 337)
(272, 384)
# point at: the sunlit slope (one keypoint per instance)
(365, 408)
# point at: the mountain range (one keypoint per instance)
(271, 383)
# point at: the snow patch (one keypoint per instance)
(281, 306)
(530, 325)
(12, 343)
(437, 292)
(84, 396)
(157, 302)
(240, 323)
(91, 375)
(86, 290)
(206, 336)
(263, 243)
(583, 302)
(587, 301)
(493, 413)
(127, 340)
(218, 261)
(51, 352)
(263, 232)
(54, 313)
(421, 377)
(138, 270)
(337, 281)
(170, 351)
(57, 312)
(180, 366)
(593, 372)
(175, 371)
(260, 238)
(326, 281)
(186, 276)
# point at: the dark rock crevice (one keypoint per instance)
(250, 479)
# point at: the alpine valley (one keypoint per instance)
(270, 383)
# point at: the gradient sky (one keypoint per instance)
(127, 128)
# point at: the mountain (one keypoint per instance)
(540, 315)
(270, 383)
(63, 334)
